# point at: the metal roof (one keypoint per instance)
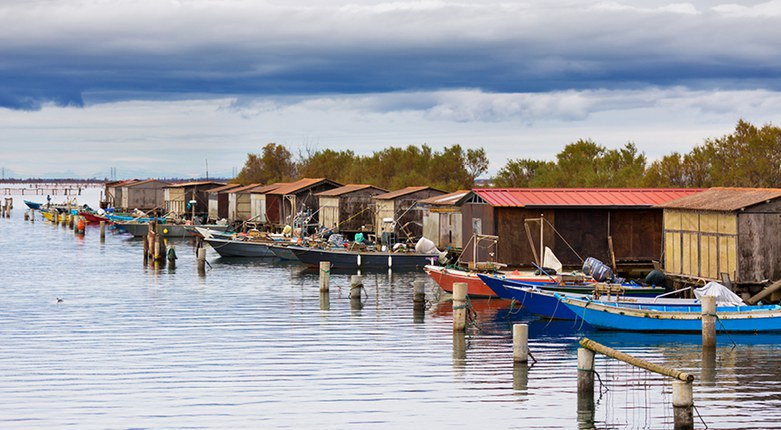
(403, 192)
(265, 189)
(224, 188)
(447, 199)
(244, 188)
(146, 181)
(195, 184)
(581, 197)
(724, 199)
(347, 189)
(301, 184)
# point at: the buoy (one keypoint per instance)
(80, 225)
(165, 231)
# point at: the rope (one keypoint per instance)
(699, 416)
(734, 345)
(564, 240)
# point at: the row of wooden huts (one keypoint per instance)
(695, 234)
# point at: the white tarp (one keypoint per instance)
(426, 246)
(550, 260)
(724, 297)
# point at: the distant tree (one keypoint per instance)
(668, 172)
(274, 164)
(334, 165)
(522, 173)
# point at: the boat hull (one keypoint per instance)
(139, 229)
(354, 260)
(239, 248)
(283, 252)
(650, 318)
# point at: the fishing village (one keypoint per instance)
(581, 266)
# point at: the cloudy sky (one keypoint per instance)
(161, 88)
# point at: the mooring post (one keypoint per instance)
(586, 372)
(418, 292)
(683, 402)
(146, 250)
(708, 321)
(356, 284)
(202, 260)
(325, 301)
(459, 306)
(26, 216)
(520, 343)
(171, 254)
(102, 231)
(325, 275)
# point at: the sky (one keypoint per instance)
(182, 88)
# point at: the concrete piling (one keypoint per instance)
(708, 321)
(586, 372)
(683, 403)
(520, 343)
(459, 306)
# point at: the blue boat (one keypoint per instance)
(662, 318)
(33, 205)
(539, 299)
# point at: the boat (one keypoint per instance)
(662, 318)
(282, 251)
(541, 300)
(94, 218)
(239, 248)
(446, 276)
(139, 229)
(341, 258)
(33, 205)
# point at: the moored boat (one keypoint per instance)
(33, 205)
(662, 318)
(239, 248)
(362, 259)
(139, 229)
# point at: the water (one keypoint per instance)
(248, 346)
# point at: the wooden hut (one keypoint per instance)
(622, 227)
(239, 205)
(399, 215)
(143, 195)
(442, 219)
(349, 209)
(724, 232)
(218, 201)
(258, 207)
(179, 198)
(296, 197)
(113, 193)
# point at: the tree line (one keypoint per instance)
(748, 157)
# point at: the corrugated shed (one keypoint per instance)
(347, 189)
(724, 199)
(582, 197)
(403, 192)
(447, 199)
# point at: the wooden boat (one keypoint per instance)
(33, 205)
(282, 251)
(94, 218)
(445, 277)
(139, 229)
(239, 248)
(662, 318)
(541, 300)
(362, 259)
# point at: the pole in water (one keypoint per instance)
(202, 260)
(325, 275)
(520, 343)
(356, 287)
(708, 321)
(171, 257)
(418, 292)
(459, 306)
(683, 402)
(103, 230)
(586, 372)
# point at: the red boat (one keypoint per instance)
(445, 277)
(94, 218)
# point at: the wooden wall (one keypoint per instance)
(759, 243)
(700, 244)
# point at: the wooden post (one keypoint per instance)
(418, 292)
(26, 216)
(325, 301)
(325, 275)
(520, 343)
(459, 306)
(708, 321)
(146, 249)
(103, 230)
(202, 260)
(171, 254)
(356, 287)
(683, 402)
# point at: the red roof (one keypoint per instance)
(581, 197)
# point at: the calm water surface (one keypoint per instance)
(251, 345)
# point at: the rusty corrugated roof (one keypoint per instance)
(244, 188)
(724, 199)
(224, 188)
(403, 192)
(146, 181)
(581, 197)
(301, 184)
(447, 199)
(265, 189)
(349, 188)
(195, 184)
